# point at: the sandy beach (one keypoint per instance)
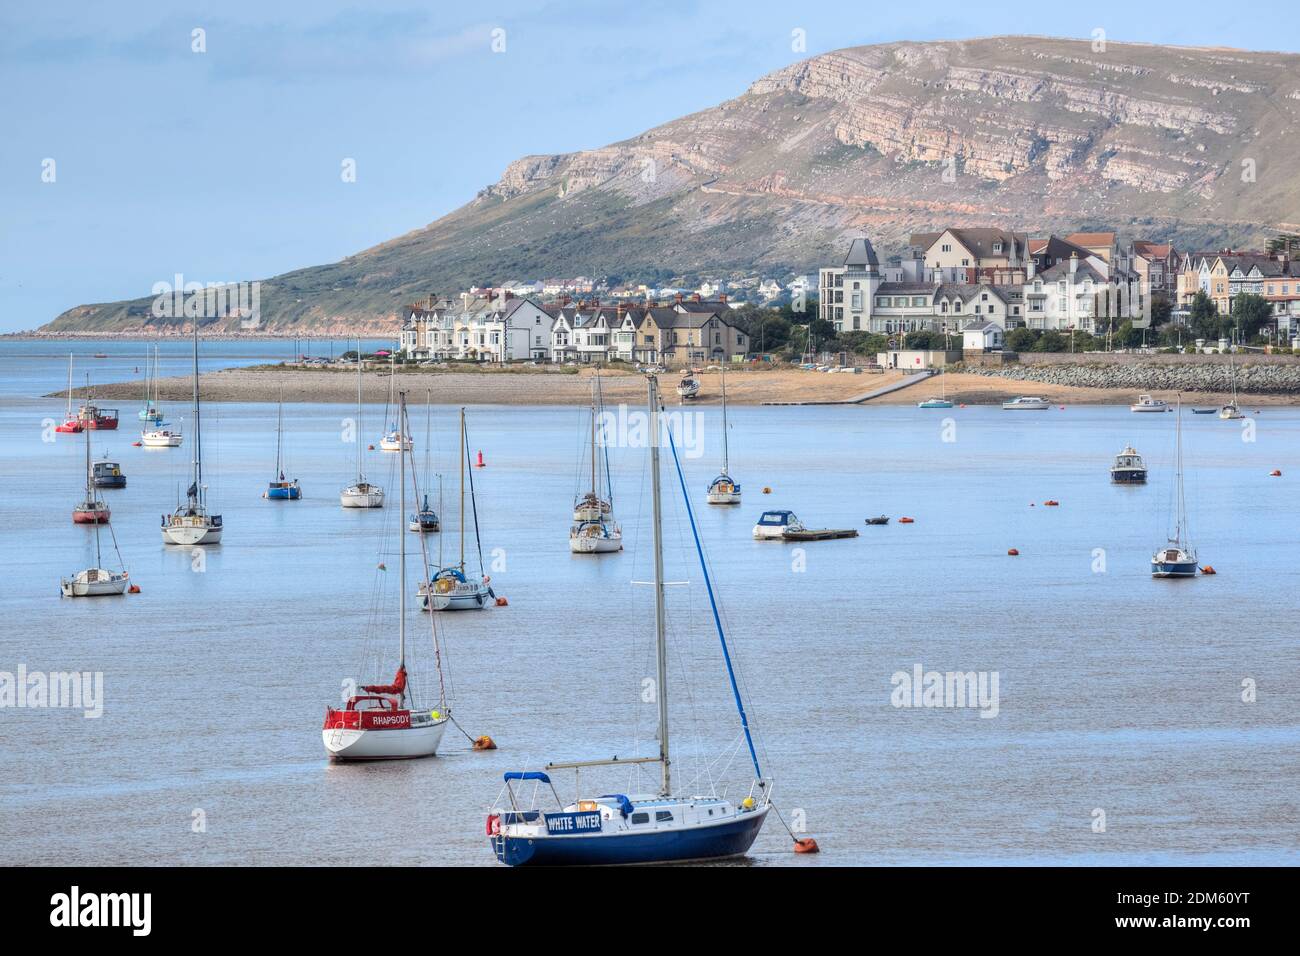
(555, 386)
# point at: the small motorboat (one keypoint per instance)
(108, 474)
(882, 519)
(160, 438)
(1146, 403)
(772, 525)
(1204, 411)
(1129, 468)
(688, 387)
(934, 403)
(1031, 403)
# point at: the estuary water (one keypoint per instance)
(1135, 721)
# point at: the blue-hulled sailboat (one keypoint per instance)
(1177, 559)
(284, 489)
(661, 827)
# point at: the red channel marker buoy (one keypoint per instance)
(479, 463)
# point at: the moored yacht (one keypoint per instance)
(1146, 403)
(361, 493)
(92, 509)
(192, 523)
(452, 589)
(688, 387)
(724, 490)
(596, 532)
(1030, 403)
(1177, 558)
(161, 438)
(1129, 468)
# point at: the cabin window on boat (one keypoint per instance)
(640, 818)
(663, 816)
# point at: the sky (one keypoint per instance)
(221, 155)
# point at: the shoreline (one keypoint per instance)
(549, 385)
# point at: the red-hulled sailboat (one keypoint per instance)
(384, 721)
(71, 423)
(93, 509)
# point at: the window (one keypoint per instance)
(997, 247)
(640, 818)
(946, 247)
(984, 296)
(663, 816)
(882, 301)
(918, 301)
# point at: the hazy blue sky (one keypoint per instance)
(225, 165)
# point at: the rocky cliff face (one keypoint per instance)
(1036, 134)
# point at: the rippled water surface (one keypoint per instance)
(1117, 693)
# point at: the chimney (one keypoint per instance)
(621, 309)
(1074, 263)
(595, 303)
(565, 300)
(722, 297)
(677, 298)
(508, 296)
(695, 297)
(430, 305)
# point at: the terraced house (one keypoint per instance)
(687, 332)
(499, 329)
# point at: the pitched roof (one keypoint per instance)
(861, 254)
(1092, 238)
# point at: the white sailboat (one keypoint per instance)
(723, 490)
(596, 532)
(452, 589)
(1177, 559)
(384, 721)
(393, 439)
(361, 493)
(191, 523)
(941, 401)
(660, 827)
(1231, 410)
(150, 413)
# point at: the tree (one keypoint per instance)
(1021, 340)
(1204, 316)
(1249, 314)
(1051, 341)
(1161, 309)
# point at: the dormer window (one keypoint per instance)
(997, 247)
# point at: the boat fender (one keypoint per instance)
(1209, 569)
(747, 803)
(494, 824)
(485, 743)
(806, 845)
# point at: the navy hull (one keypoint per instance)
(1133, 477)
(719, 841)
(1173, 569)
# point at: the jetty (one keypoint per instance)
(818, 534)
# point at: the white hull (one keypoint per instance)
(104, 584)
(352, 498)
(419, 741)
(160, 440)
(582, 544)
(392, 444)
(464, 598)
(1149, 408)
(191, 534)
(724, 497)
(1027, 405)
(768, 533)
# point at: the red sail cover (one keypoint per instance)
(396, 687)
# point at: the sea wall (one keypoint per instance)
(1253, 377)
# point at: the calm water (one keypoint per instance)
(1115, 691)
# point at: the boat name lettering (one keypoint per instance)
(573, 822)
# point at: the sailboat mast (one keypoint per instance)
(198, 433)
(1180, 527)
(661, 647)
(69, 387)
(463, 453)
(594, 491)
(279, 432)
(89, 484)
(724, 417)
(358, 431)
(401, 560)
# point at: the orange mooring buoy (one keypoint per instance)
(1051, 503)
(134, 589)
(806, 845)
(767, 490)
(485, 743)
(906, 520)
(1209, 569)
(136, 444)
(1275, 473)
(1012, 551)
(502, 602)
(479, 463)
(370, 448)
